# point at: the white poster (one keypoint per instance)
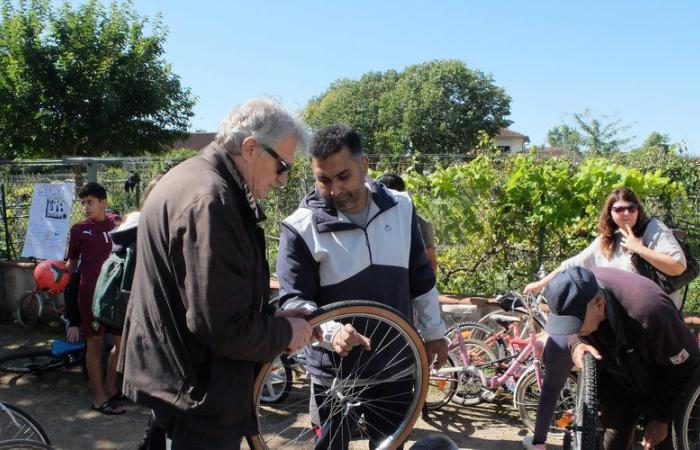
(49, 221)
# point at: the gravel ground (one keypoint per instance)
(60, 402)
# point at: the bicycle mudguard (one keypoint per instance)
(61, 348)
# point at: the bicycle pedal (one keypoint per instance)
(488, 396)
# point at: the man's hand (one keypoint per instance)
(301, 333)
(580, 350)
(535, 287)
(437, 348)
(300, 312)
(654, 434)
(346, 338)
(73, 334)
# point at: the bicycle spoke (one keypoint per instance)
(383, 383)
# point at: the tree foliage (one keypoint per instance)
(566, 138)
(492, 214)
(89, 80)
(435, 107)
(601, 135)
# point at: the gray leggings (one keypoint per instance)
(558, 364)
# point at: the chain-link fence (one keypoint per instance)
(125, 179)
(483, 246)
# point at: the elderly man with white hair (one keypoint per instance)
(198, 321)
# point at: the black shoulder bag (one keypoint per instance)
(667, 282)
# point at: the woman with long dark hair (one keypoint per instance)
(623, 230)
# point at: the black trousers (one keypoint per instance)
(620, 410)
(382, 407)
(192, 433)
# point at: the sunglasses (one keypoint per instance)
(282, 165)
(621, 209)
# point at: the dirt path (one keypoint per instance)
(60, 402)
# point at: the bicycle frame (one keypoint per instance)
(526, 352)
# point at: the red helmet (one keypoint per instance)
(52, 275)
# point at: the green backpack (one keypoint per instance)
(113, 288)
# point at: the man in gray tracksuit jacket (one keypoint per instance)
(350, 239)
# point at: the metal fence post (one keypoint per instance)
(540, 242)
(8, 239)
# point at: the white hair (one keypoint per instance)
(264, 119)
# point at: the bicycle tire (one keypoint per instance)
(685, 429)
(471, 389)
(479, 332)
(34, 362)
(278, 383)
(271, 420)
(441, 387)
(527, 395)
(16, 424)
(19, 444)
(585, 435)
(29, 309)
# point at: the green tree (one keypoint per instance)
(601, 136)
(352, 102)
(565, 138)
(434, 107)
(84, 81)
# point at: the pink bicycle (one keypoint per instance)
(474, 374)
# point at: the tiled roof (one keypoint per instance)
(506, 133)
(196, 141)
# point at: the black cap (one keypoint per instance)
(568, 294)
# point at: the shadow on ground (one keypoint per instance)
(60, 402)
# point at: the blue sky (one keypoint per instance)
(637, 60)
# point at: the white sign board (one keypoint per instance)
(49, 221)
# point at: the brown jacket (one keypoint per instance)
(198, 322)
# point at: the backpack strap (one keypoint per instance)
(129, 266)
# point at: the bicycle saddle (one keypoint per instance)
(504, 318)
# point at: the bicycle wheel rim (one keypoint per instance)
(30, 362)
(19, 444)
(441, 386)
(29, 309)
(479, 332)
(471, 386)
(278, 382)
(297, 432)
(16, 424)
(685, 437)
(526, 399)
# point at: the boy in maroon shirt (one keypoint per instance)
(90, 241)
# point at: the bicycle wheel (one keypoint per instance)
(479, 332)
(17, 424)
(29, 308)
(278, 383)
(471, 389)
(585, 431)
(442, 385)
(351, 389)
(685, 432)
(31, 362)
(527, 396)
(19, 444)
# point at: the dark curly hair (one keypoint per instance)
(607, 226)
(94, 189)
(392, 181)
(332, 139)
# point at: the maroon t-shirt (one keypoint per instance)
(90, 241)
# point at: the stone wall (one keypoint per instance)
(15, 279)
